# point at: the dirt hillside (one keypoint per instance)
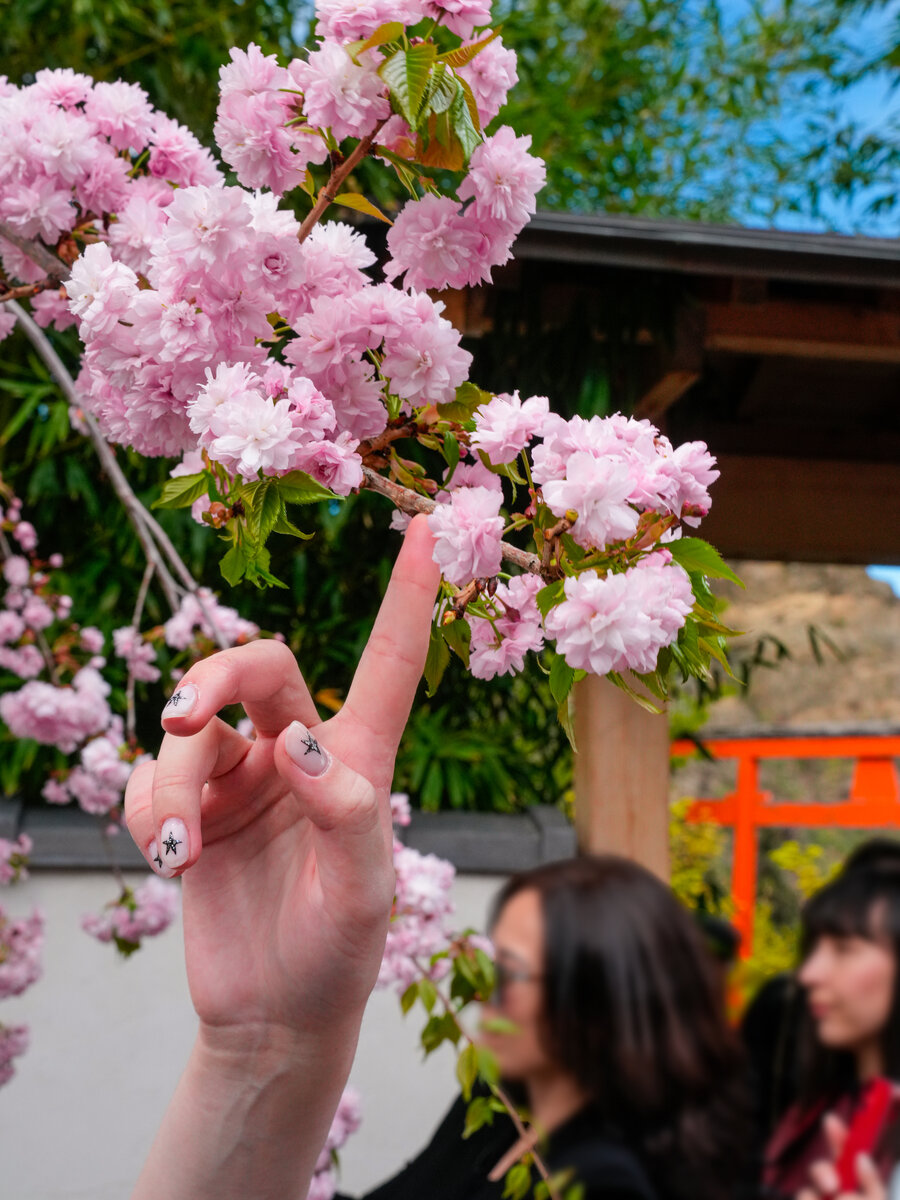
(860, 616)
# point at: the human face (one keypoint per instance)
(518, 938)
(849, 984)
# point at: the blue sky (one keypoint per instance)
(889, 575)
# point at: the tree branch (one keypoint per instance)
(37, 252)
(337, 177)
(409, 501)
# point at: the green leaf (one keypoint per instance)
(615, 678)
(565, 714)
(284, 525)
(458, 635)
(299, 488)
(408, 999)
(391, 31)
(562, 678)
(500, 1025)
(266, 506)
(478, 1113)
(407, 73)
(234, 565)
(361, 204)
(549, 596)
(517, 1182)
(464, 54)
(696, 555)
(451, 451)
(427, 994)
(468, 397)
(436, 661)
(443, 90)
(467, 1069)
(181, 492)
(488, 1067)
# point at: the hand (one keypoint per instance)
(824, 1179)
(287, 904)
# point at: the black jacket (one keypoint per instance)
(450, 1168)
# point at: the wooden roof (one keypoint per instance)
(780, 350)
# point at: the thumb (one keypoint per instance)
(835, 1134)
(870, 1185)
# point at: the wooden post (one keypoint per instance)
(621, 776)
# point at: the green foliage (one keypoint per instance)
(173, 48)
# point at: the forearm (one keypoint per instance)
(249, 1120)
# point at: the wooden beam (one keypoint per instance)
(621, 776)
(804, 330)
(664, 394)
(805, 510)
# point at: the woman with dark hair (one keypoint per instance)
(621, 1053)
(844, 1129)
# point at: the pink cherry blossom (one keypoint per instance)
(13, 1043)
(467, 533)
(7, 323)
(490, 75)
(503, 179)
(461, 16)
(597, 489)
(350, 20)
(145, 912)
(432, 244)
(21, 943)
(506, 425)
(499, 647)
(122, 112)
(339, 95)
(621, 621)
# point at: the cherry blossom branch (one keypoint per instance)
(522, 1130)
(130, 717)
(43, 645)
(337, 177)
(27, 290)
(38, 253)
(409, 501)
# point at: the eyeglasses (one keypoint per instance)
(505, 975)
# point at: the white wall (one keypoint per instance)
(109, 1038)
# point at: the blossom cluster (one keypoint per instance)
(14, 859)
(421, 908)
(13, 1043)
(21, 943)
(68, 149)
(143, 912)
(602, 478)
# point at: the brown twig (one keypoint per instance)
(392, 434)
(27, 290)
(37, 252)
(337, 177)
(130, 720)
(409, 501)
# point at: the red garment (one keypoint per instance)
(799, 1141)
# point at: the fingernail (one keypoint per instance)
(181, 702)
(174, 846)
(156, 861)
(304, 750)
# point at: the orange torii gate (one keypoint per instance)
(873, 802)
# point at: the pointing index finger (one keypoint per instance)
(385, 682)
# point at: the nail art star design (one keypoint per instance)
(174, 700)
(312, 746)
(171, 844)
(157, 859)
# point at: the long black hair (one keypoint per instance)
(864, 901)
(634, 1011)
